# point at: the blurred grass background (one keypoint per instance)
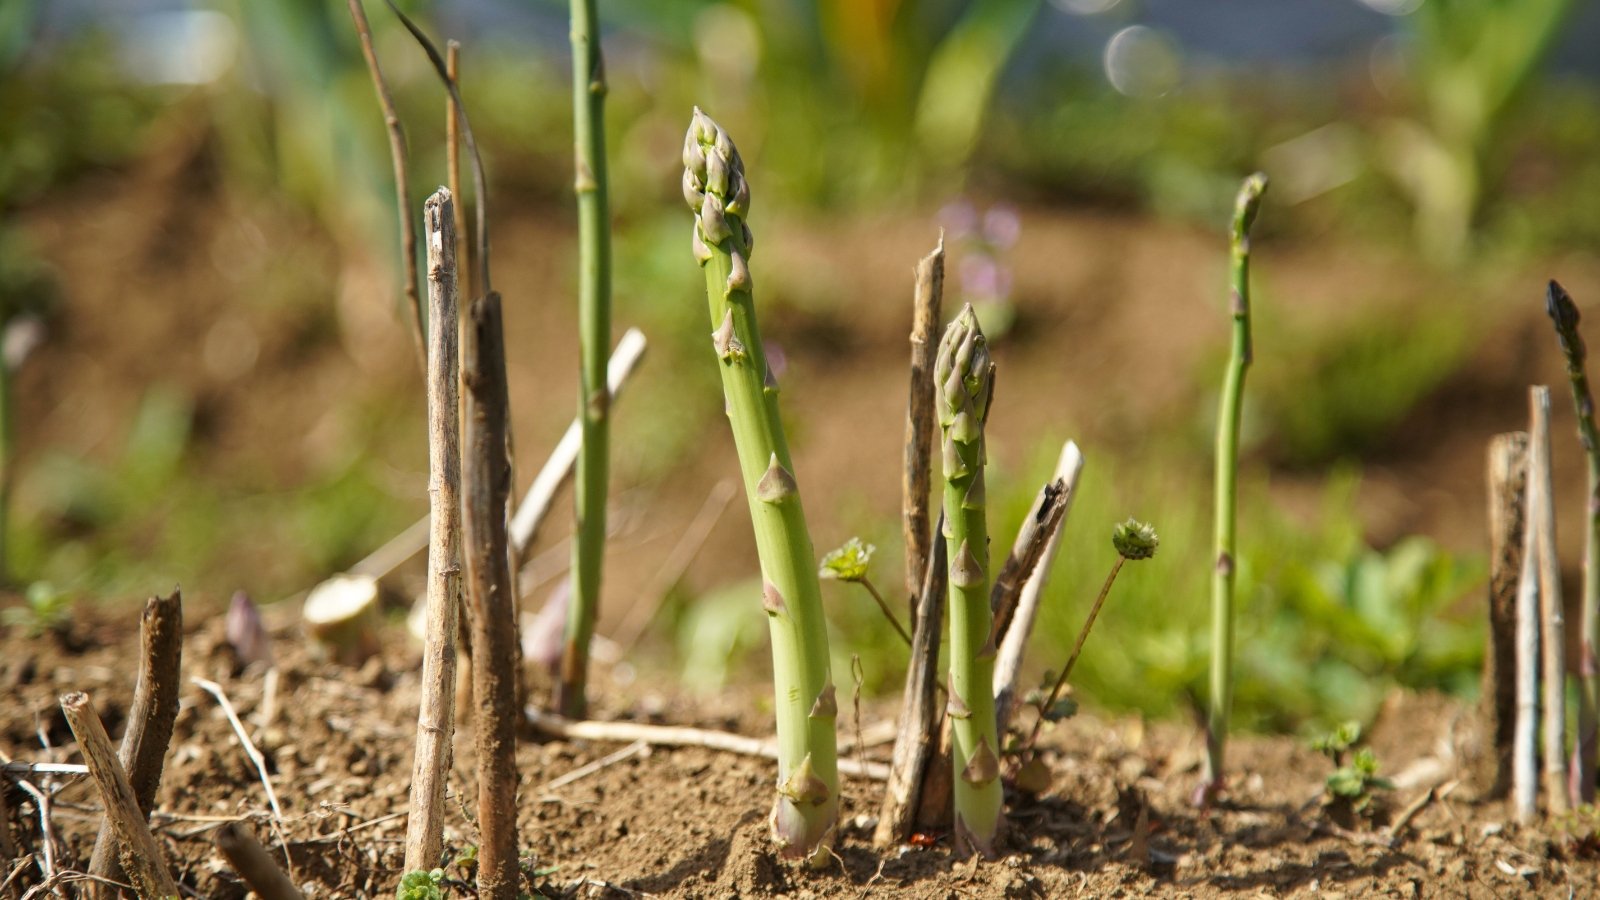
(1442, 149)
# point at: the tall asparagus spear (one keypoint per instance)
(964, 378)
(594, 332)
(1565, 315)
(807, 805)
(1221, 700)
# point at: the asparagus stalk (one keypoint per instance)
(594, 332)
(807, 804)
(964, 378)
(1220, 702)
(1565, 315)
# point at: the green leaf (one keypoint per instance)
(421, 886)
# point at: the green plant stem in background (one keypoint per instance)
(807, 805)
(594, 331)
(1224, 560)
(1564, 313)
(964, 381)
(7, 451)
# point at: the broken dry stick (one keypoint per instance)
(916, 475)
(917, 733)
(1524, 756)
(1008, 665)
(1041, 523)
(1508, 480)
(150, 718)
(253, 864)
(341, 616)
(141, 857)
(1552, 641)
(675, 736)
(436, 717)
(486, 483)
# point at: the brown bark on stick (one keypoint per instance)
(917, 739)
(486, 480)
(1041, 523)
(253, 864)
(436, 719)
(150, 722)
(1014, 640)
(919, 419)
(1553, 642)
(1508, 481)
(141, 857)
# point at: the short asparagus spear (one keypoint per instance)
(1221, 699)
(807, 805)
(964, 381)
(1565, 315)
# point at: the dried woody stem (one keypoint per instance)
(1553, 644)
(150, 721)
(917, 735)
(141, 857)
(452, 166)
(402, 181)
(254, 864)
(916, 476)
(1508, 480)
(436, 719)
(486, 480)
(1008, 664)
(1041, 524)
(1524, 757)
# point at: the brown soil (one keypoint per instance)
(1115, 820)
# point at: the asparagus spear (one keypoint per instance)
(964, 378)
(807, 804)
(1221, 700)
(1565, 315)
(594, 332)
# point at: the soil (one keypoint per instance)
(1115, 819)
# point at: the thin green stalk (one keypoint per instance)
(964, 380)
(806, 809)
(1132, 540)
(7, 451)
(1220, 702)
(1565, 315)
(594, 333)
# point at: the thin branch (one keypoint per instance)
(150, 718)
(919, 417)
(452, 161)
(256, 759)
(141, 856)
(480, 190)
(676, 736)
(1553, 644)
(1008, 664)
(402, 182)
(1038, 527)
(1508, 479)
(584, 771)
(887, 612)
(1077, 648)
(486, 486)
(436, 716)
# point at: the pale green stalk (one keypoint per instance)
(594, 341)
(807, 805)
(1565, 315)
(964, 379)
(1220, 702)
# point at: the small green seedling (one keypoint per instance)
(849, 564)
(422, 886)
(1357, 774)
(44, 609)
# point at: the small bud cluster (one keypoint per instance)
(963, 375)
(1135, 540)
(715, 187)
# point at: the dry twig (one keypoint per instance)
(436, 717)
(1553, 644)
(1508, 479)
(253, 864)
(256, 759)
(141, 857)
(914, 484)
(150, 719)
(486, 484)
